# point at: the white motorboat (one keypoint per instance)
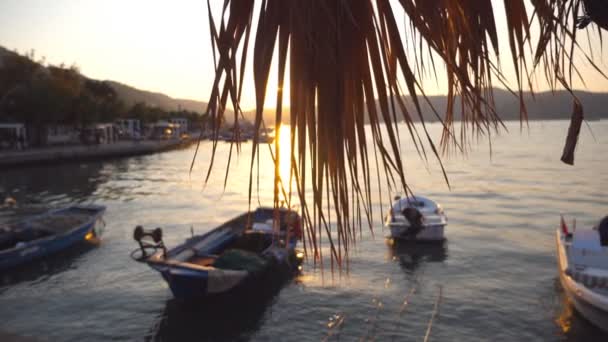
(416, 218)
(582, 258)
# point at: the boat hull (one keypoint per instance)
(591, 305)
(216, 285)
(44, 247)
(431, 233)
(189, 286)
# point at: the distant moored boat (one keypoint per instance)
(416, 218)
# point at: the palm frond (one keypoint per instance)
(349, 66)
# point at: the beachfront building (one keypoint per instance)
(99, 134)
(12, 136)
(183, 125)
(129, 128)
(61, 135)
(107, 133)
(165, 130)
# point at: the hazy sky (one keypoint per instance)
(156, 45)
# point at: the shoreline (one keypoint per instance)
(78, 153)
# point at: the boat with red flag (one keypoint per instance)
(582, 257)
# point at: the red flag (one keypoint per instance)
(564, 226)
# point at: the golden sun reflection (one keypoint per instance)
(283, 134)
(564, 320)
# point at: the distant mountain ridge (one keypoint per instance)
(544, 106)
(131, 95)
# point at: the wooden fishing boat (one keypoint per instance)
(582, 259)
(54, 231)
(255, 249)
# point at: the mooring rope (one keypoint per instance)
(435, 312)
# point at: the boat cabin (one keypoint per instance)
(588, 248)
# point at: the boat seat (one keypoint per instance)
(203, 247)
(184, 255)
(58, 223)
(32, 234)
(253, 241)
(191, 253)
(211, 243)
(262, 227)
(203, 260)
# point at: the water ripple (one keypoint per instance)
(497, 268)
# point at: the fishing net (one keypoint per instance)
(241, 260)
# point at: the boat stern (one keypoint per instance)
(586, 286)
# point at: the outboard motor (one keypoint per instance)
(415, 218)
(603, 230)
(139, 235)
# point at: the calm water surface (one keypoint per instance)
(497, 270)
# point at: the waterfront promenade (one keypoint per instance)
(56, 154)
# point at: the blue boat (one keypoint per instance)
(256, 249)
(45, 234)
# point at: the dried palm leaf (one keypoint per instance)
(349, 66)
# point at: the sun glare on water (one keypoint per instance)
(283, 134)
